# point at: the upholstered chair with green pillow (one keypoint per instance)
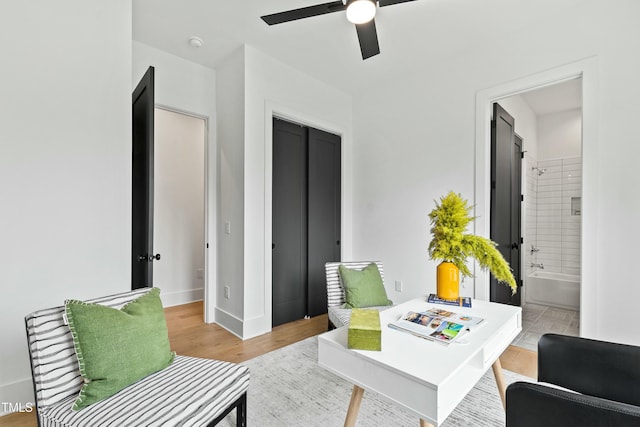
(108, 361)
(354, 284)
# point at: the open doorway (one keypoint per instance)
(549, 120)
(179, 205)
(587, 69)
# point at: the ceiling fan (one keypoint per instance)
(359, 12)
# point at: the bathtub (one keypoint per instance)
(553, 289)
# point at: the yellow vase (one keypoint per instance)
(448, 280)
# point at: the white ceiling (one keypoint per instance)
(326, 47)
(553, 99)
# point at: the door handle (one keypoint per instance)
(514, 246)
(149, 258)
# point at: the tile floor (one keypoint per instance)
(539, 319)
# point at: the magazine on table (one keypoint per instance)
(460, 301)
(436, 324)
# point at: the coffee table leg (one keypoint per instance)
(497, 373)
(358, 392)
(354, 406)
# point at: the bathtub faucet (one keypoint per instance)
(540, 266)
(534, 249)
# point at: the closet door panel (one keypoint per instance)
(289, 275)
(324, 214)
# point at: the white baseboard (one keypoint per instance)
(256, 327)
(229, 322)
(17, 397)
(169, 299)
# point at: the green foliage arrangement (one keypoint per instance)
(449, 221)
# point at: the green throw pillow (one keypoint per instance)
(363, 288)
(116, 348)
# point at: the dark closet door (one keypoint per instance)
(506, 165)
(142, 182)
(306, 218)
(289, 270)
(324, 214)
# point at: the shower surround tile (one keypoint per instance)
(557, 232)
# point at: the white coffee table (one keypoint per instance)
(426, 377)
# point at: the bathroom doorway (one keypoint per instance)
(549, 120)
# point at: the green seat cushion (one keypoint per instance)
(363, 288)
(116, 348)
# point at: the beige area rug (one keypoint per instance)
(288, 388)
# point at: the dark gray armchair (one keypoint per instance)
(604, 379)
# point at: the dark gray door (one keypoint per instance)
(324, 214)
(306, 218)
(516, 217)
(142, 183)
(506, 172)
(289, 247)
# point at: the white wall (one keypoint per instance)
(180, 84)
(231, 99)
(65, 164)
(185, 86)
(415, 140)
(560, 135)
(412, 145)
(526, 123)
(179, 232)
(269, 87)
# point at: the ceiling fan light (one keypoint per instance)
(361, 11)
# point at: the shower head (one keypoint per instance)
(540, 170)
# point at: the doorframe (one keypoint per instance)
(210, 211)
(587, 69)
(273, 109)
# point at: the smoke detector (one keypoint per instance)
(195, 42)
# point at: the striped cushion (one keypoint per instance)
(190, 392)
(56, 375)
(335, 290)
(341, 316)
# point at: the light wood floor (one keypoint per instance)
(190, 336)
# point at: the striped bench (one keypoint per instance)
(189, 392)
(338, 315)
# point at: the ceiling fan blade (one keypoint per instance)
(368, 38)
(384, 3)
(304, 12)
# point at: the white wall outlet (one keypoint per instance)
(227, 292)
(199, 273)
(227, 227)
(398, 285)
